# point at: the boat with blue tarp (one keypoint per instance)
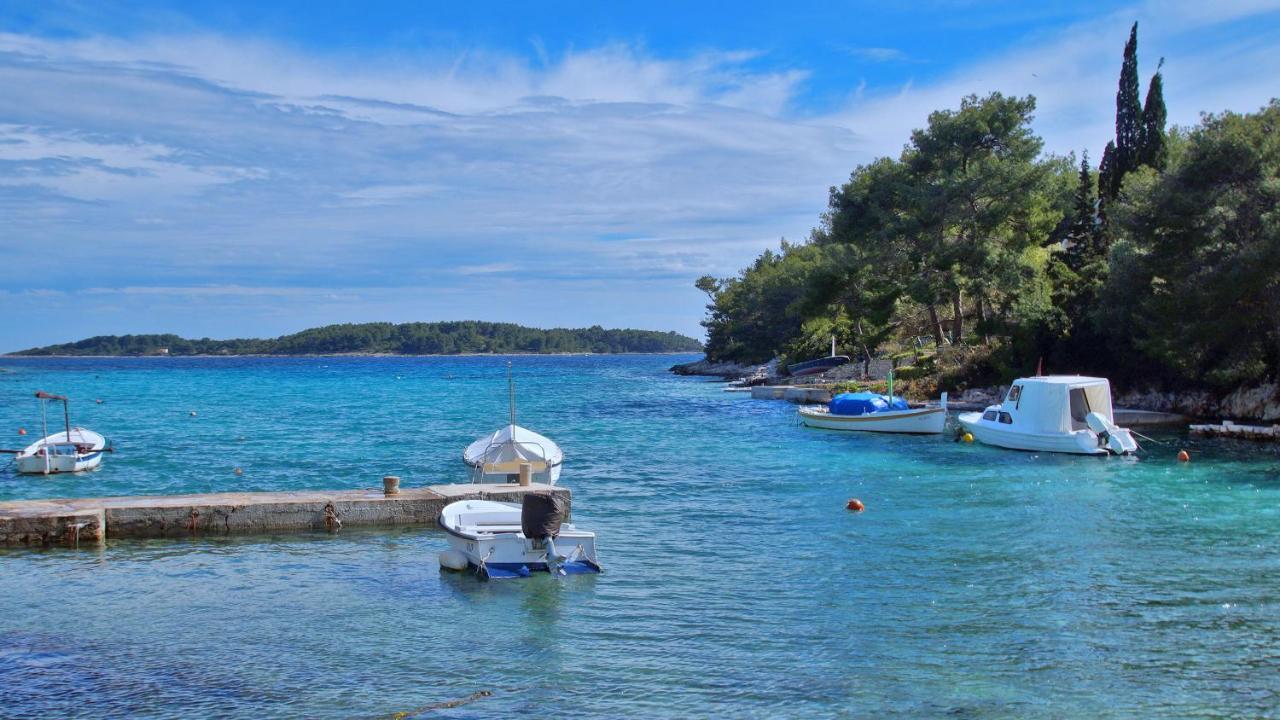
(873, 412)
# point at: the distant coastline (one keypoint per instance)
(466, 337)
(347, 355)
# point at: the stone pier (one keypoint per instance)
(89, 521)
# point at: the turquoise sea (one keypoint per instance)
(978, 583)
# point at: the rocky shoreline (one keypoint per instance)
(1257, 403)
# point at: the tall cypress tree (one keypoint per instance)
(1128, 105)
(1128, 114)
(1152, 149)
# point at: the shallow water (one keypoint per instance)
(978, 583)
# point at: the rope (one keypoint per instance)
(331, 519)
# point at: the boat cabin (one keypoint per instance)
(1053, 403)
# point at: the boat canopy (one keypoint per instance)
(1057, 403)
(861, 403)
(504, 450)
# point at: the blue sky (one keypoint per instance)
(224, 169)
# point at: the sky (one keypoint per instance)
(248, 169)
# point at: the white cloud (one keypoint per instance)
(1074, 73)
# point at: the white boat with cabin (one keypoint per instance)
(1053, 413)
(73, 449)
(508, 540)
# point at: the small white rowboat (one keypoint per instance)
(491, 539)
(74, 449)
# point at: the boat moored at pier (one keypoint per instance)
(1053, 413)
(506, 540)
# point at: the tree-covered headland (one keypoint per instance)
(974, 256)
(440, 338)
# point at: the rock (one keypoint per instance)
(728, 370)
(1260, 402)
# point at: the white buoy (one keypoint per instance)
(453, 560)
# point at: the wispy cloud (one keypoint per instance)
(879, 54)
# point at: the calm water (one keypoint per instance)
(978, 583)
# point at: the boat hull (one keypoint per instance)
(507, 553)
(813, 367)
(923, 421)
(548, 476)
(1080, 442)
(54, 455)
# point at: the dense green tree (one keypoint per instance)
(1198, 262)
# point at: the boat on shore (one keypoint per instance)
(818, 365)
(501, 540)
(498, 456)
(1053, 413)
(73, 449)
(872, 412)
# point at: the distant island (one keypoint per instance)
(438, 338)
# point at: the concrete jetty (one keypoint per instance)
(1228, 429)
(79, 521)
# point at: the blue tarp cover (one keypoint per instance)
(862, 403)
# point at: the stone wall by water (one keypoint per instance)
(1260, 402)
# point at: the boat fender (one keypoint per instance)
(453, 560)
(855, 505)
(1184, 456)
(967, 437)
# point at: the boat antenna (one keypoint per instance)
(1040, 367)
(66, 416)
(511, 393)
(833, 346)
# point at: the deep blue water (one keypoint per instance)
(978, 583)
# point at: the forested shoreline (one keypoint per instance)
(974, 257)
(440, 338)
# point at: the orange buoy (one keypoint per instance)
(22, 431)
(1184, 456)
(855, 505)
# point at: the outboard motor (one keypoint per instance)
(1115, 439)
(541, 515)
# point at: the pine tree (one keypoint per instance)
(1152, 149)
(1108, 183)
(1128, 109)
(1082, 233)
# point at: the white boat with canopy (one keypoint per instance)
(73, 449)
(497, 457)
(1053, 413)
